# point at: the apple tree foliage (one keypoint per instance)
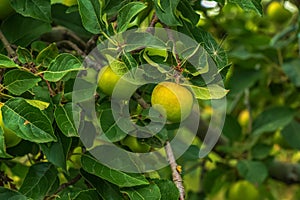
(43, 45)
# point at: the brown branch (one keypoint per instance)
(175, 174)
(154, 20)
(141, 101)
(10, 51)
(72, 45)
(71, 182)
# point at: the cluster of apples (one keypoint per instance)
(172, 100)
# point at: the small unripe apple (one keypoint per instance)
(10, 138)
(5, 9)
(108, 80)
(243, 190)
(135, 145)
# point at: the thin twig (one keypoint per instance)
(154, 20)
(71, 182)
(175, 174)
(248, 106)
(72, 45)
(141, 101)
(10, 51)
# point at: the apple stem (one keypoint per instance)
(175, 173)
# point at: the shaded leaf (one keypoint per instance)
(38, 9)
(27, 121)
(165, 11)
(56, 152)
(149, 192)
(8, 194)
(90, 12)
(291, 134)
(6, 62)
(292, 70)
(24, 55)
(168, 189)
(104, 188)
(40, 180)
(253, 171)
(272, 119)
(64, 118)
(24, 29)
(18, 81)
(61, 66)
(127, 13)
(3, 153)
(247, 5)
(118, 178)
(47, 55)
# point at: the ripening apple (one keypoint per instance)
(172, 100)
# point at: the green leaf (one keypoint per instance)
(24, 55)
(61, 66)
(216, 52)
(149, 192)
(187, 12)
(109, 125)
(3, 153)
(291, 134)
(64, 118)
(90, 12)
(261, 151)
(247, 5)
(168, 189)
(232, 129)
(210, 92)
(18, 81)
(48, 54)
(253, 171)
(40, 180)
(136, 40)
(118, 178)
(292, 70)
(38, 9)
(71, 20)
(90, 194)
(22, 31)
(165, 11)
(104, 188)
(272, 119)
(27, 121)
(8, 194)
(6, 62)
(56, 152)
(127, 13)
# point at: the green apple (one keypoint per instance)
(108, 79)
(243, 190)
(172, 99)
(10, 138)
(277, 13)
(5, 8)
(135, 145)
